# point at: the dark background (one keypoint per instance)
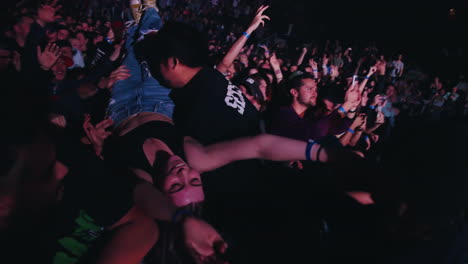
(421, 31)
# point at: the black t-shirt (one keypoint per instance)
(211, 109)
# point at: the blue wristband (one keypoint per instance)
(367, 77)
(343, 110)
(179, 212)
(329, 69)
(366, 137)
(351, 131)
(372, 107)
(309, 148)
(247, 35)
(315, 70)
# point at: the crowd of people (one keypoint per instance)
(190, 132)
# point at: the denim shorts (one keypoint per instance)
(140, 92)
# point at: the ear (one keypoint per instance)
(244, 90)
(173, 62)
(294, 92)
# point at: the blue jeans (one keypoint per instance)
(140, 92)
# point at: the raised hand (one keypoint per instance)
(372, 70)
(313, 64)
(334, 71)
(380, 118)
(259, 18)
(119, 74)
(274, 61)
(203, 241)
(353, 96)
(49, 56)
(266, 51)
(58, 120)
(377, 100)
(46, 13)
(97, 134)
(368, 142)
(358, 122)
(325, 60)
(363, 198)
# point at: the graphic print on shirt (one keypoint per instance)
(76, 245)
(235, 99)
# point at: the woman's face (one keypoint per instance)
(182, 183)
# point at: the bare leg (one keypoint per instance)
(136, 7)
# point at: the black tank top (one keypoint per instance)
(128, 151)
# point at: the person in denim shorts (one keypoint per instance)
(140, 92)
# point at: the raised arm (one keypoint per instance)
(372, 70)
(276, 67)
(314, 66)
(240, 43)
(302, 56)
(346, 138)
(265, 146)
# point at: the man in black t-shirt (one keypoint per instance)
(207, 106)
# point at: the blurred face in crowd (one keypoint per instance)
(329, 105)
(400, 57)
(85, 26)
(306, 95)
(263, 88)
(51, 36)
(69, 20)
(110, 35)
(82, 41)
(182, 183)
(59, 70)
(75, 43)
(63, 34)
(293, 68)
(67, 51)
(364, 98)
(46, 14)
(22, 28)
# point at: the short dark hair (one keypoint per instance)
(296, 82)
(63, 43)
(177, 40)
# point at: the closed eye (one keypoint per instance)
(176, 187)
(195, 182)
